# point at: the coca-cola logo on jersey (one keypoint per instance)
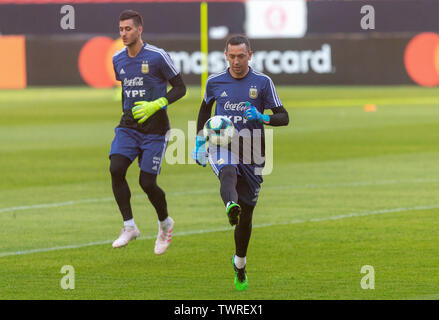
(137, 81)
(234, 106)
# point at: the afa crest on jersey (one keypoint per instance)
(145, 67)
(253, 92)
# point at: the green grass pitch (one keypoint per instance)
(349, 188)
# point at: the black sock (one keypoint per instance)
(228, 178)
(148, 182)
(118, 167)
(243, 230)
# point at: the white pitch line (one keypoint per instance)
(55, 204)
(182, 193)
(193, 232)
(425, 297)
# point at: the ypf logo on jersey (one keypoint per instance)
(145, 67)
(253, 92)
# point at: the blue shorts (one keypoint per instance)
(249, 176)
(150, 148)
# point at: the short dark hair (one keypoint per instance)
(238, 39)
(131, 14)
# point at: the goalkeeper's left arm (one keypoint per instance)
(144, 109)
(178, 89)
(279, 117)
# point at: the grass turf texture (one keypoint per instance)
(349, 188)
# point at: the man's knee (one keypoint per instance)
(148, 181)
(228, 172)
(119, 165)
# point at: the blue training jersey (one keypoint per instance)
(144, 77)
(231, 95)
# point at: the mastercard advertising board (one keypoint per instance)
(61, 61)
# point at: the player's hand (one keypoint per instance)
(199, 154)
(252, 114)
(144, 109)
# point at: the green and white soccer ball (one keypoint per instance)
(219, 130)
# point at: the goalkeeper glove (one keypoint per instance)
(144, 109)
(252, 114)
(199, 154)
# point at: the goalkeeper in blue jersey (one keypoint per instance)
(144, 71)
(242, 94)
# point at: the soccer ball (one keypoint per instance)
(219, 130)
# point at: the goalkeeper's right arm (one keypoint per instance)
(204, 114)
(199, 153)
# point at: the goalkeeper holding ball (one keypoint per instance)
(144, 71)
(241, 94)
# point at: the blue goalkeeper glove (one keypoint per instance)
(144, 109)
(199, 154)
(252, 114)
